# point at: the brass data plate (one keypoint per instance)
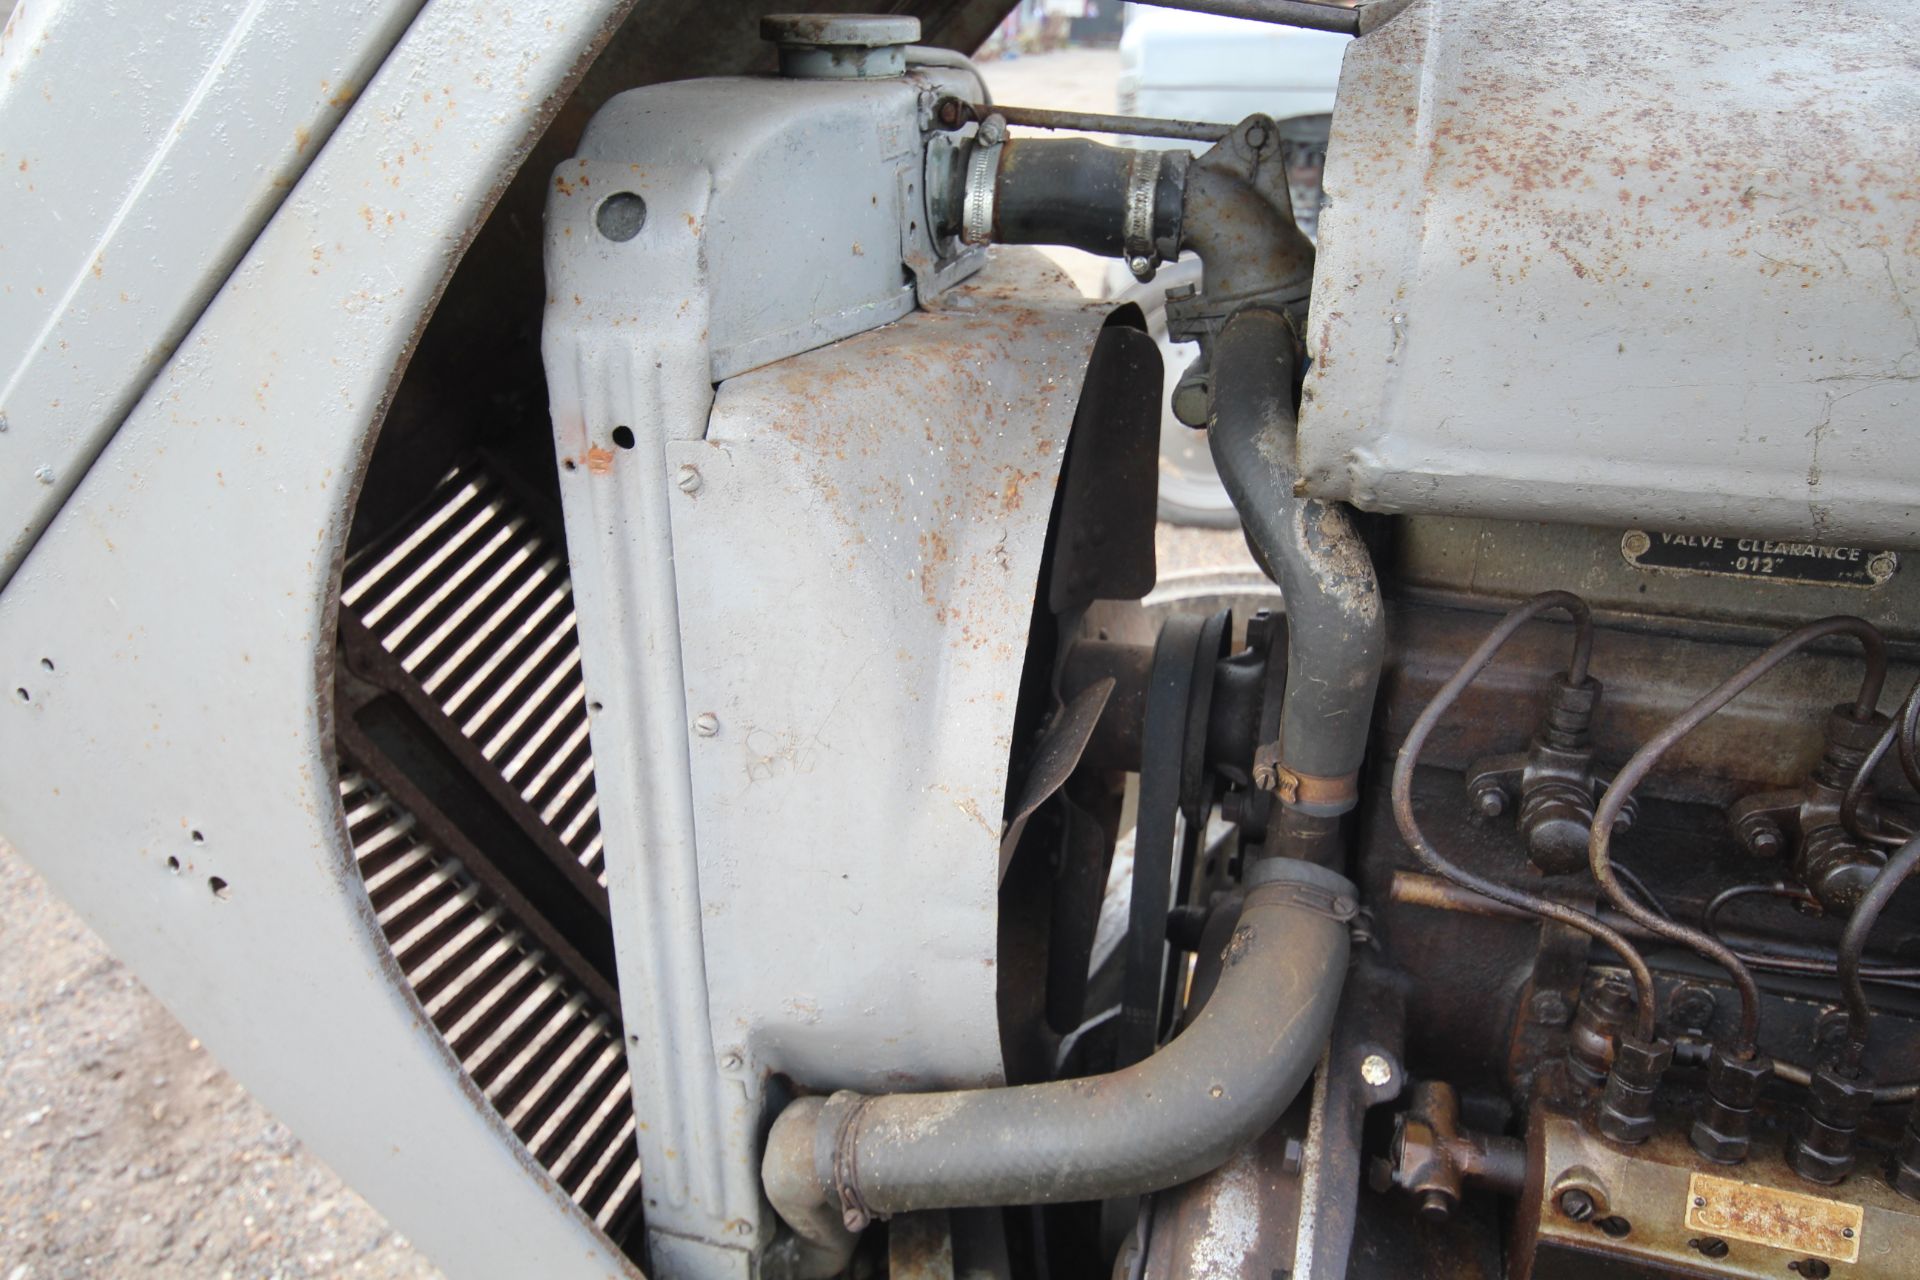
(1767, 1215)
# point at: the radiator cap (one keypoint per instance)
(841, 46)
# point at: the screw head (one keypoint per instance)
(1376, 1070)
(44, 474)
(731, 1061)
(1880, 568)
(1141, 266)
(1576, 1204)
(1691, 1006)
(689, 480)
(1635, 543)
(706, 724)
(1762, 836)
(992, 131)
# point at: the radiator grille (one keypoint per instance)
(475, 604)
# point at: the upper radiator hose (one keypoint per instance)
(1180, 1113)
(1336, 637)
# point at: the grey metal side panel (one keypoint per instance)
(145, 144)
(775, 214)
(164, 653)
(856, 573)
(1625, 264)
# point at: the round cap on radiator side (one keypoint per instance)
(841, 46)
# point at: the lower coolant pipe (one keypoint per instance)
(833, 1165)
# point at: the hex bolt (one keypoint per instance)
(1490, 800)
(1906, 1165)
(1576, 1205)
(706, 724)
(1723, 1127)
(1293, 1156)
(689, 479)
(1822, 1149)
(1626, 1108)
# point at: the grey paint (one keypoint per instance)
(780, 214)
(1645, 265)
(130, 197)
(172, 631)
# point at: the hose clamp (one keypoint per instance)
(1323, 891)
(1308, 792)
(836, 1152)
(1143, 178)
(983, 173)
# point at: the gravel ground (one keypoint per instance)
(126, 1150)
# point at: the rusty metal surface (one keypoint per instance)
(1763, 1215)
(174, 628)
(1639, 265)
(855, 574)
(1768, 738)
(1812, 1226)
(1236, 1223)
(1510, 560)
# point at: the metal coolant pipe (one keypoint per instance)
(1336, 637)
(1180, 1113)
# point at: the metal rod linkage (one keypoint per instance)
(954, 112)
(1310, 14)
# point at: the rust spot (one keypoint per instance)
(599, 461)
(1778, 1218)
(301, 137)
